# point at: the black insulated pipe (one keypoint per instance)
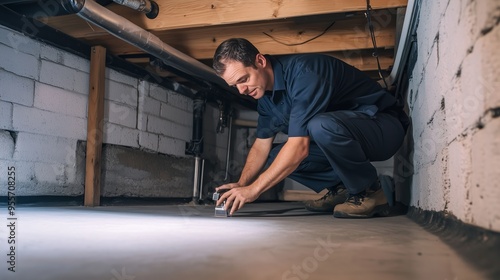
(150, 8)
(195, 147)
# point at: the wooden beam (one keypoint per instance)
(361, 59)
(200, 43)
(364, 59)
(288, 36)
(300, 195)
(175, 14)
(95, 126)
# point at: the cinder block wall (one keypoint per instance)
(43, 115)
(454, 101)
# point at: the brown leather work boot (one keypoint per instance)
(364, 205)
(333, 197)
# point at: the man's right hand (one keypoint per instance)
(236, 195)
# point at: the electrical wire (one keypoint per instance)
(374, 42)
(301, 43)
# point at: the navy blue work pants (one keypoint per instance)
(343, 144)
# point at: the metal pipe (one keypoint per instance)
(150, 8)
(196, 181)
(195, 146)
(142, 39)
(201, 179)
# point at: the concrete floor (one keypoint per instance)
(263, 241)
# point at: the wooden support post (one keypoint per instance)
(95, 126)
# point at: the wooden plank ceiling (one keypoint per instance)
(196, 27)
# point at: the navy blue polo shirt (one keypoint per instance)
(308, 84)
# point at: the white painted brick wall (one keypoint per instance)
(121, 93)
(168, 128)
(25, 65)
(460, 162)
(64, 77)
(455, 162)
(116, 76)
(473, 87)
(24, 175)
(50, 172)
(18, 42)
(34, 120)
(6, 144)
(44, 148)
(450, 52)
(120, 135)
(484, 190)
(51, 181)
(177, 115)
(5, 115)
(44, 99)
(61, 101)
(158, 93)
(159, 126)
(142, 121)
(490, 83)
(64, 58)
(148, 141)
(16, 89)
(180, 101)
(171, 146)
(182, 132)
(432, 139)
(120, 114)
(150, 106)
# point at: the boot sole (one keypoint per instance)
(381, 211)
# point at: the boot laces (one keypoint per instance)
(328, 194)
(331, 192)
(356, 199)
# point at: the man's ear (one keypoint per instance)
(260, 60)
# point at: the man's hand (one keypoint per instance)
(236, 196)
(228, 187)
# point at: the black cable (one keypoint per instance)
(301, 43)
(374, 42)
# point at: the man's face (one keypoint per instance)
(248, 80)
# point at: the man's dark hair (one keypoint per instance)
(237, 49)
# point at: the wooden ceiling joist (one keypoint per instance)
(196, 27)
(200, 43)
(178, 14)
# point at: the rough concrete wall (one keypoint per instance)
(454, 105)
(43, 115)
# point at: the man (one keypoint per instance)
(337, 120)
